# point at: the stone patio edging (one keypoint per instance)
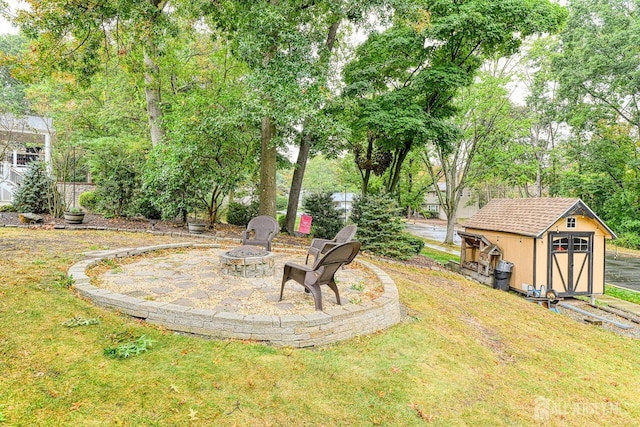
(312, 329)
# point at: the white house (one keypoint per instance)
(466, 209)
(22, 141)
(343, 202)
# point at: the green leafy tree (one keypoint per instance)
(484, 124)
(12, 91)
(597, 69)
(73, 42)
(403, 80)
(210, 144)
(117, 165)
(280, 41)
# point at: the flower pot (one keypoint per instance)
(73, 217)
(196, 228)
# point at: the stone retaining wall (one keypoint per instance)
(318, 328)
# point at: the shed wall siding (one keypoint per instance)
(515, 249)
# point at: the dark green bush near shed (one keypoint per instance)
(380, 228)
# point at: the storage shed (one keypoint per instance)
(556, 242)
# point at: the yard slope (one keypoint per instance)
(465, 355)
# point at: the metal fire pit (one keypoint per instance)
(248, 261)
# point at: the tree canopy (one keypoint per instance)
(220, 90)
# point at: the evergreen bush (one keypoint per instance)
(380, 228)
(327, 220)
(37, 192)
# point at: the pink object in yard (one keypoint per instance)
(305, 224)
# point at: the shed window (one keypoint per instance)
(580, 244)
(571, 222)
(560, 244)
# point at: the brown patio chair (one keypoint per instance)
(260, 231)
(321, 246)
(322, 272)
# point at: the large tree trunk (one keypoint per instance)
(152, 77)
(396, 167)
(451, 222)
(268, 161)
(296, 182)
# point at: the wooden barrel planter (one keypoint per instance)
(196, 228)
(73, 217)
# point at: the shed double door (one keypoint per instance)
(570, 263)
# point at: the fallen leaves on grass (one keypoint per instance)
(421, 413)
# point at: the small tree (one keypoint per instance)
(380, 228)
(117, 166)
(36, 193)
(327, 220)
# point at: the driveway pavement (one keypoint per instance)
(433, 230)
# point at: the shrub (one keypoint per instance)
(327, 220)
(282, 203)
(414, 241)
(240, 214)
(147, 209)
(88, 200)
(37, 193)
(117, 166)
(7, 208)
(282, 222)
(380, 228)
(628, 240)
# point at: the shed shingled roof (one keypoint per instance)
(530, 216)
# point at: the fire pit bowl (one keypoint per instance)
(248, 261)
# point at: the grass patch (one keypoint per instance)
(623, 294)
(467, 355)
(441, 257)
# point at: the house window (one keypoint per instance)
(571, 222)
(433, 208)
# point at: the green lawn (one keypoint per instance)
(465, 355)
(623, 294)
(439, 256)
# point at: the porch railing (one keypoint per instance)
(15, 176)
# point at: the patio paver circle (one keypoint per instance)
(300, 329)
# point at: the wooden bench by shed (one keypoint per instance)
(554, 242)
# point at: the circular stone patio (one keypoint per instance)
(182, 287)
